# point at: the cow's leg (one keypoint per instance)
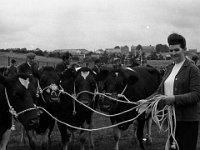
(38, 141)
(148, 127)
(22, 134)
(134, 137)
(84, 134)
(45, 138)
(82, 139)
(91, 141)
(117, 136)
(65, 135)
(4, 140)
(140, 128)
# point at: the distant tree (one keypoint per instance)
(126, 47)
(139, 47)
(116, 47)
(39, 52)
(161, 48)
(23, 49)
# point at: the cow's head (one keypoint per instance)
(19, 94)
(48, 85)
(114, 82)
(85, 80)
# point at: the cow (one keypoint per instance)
(135, 83)
(76, 82)
(47, 97)
(16, 99)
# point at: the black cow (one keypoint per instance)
(136, 84)
(73, 113)
(15, 93)
(48, 98)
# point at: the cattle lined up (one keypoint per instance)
(49, 90)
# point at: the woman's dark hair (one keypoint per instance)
(175, 38)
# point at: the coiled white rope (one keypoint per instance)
(167, 114)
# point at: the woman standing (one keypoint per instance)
(181, 87)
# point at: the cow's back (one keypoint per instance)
(149, 80)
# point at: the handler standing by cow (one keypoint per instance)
(29, 66)
(65, 64)
(12, 71)
(181, 87)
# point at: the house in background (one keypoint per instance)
(146, 49)
(113, 50)
(73, 51)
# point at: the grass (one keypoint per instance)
(21, 58)
(103, 139)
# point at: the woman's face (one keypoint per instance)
(177, 53)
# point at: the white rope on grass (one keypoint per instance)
(95, 129)
(101, 128)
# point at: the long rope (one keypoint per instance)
(159, 116)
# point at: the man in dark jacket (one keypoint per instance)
(65, 64)
(97, 66)
(29, 66)
(12, 71)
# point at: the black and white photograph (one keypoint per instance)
(99, 75)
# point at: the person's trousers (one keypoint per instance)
(187, 134)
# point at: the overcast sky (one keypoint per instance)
(95, 24)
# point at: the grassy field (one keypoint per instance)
(21, 58)
(103, 139)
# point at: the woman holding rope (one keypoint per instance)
(180, 88)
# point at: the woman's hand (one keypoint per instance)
(166, 100)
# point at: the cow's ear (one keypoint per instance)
(23, 75)
(102, 75)
(69, 73)
(132, 79)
